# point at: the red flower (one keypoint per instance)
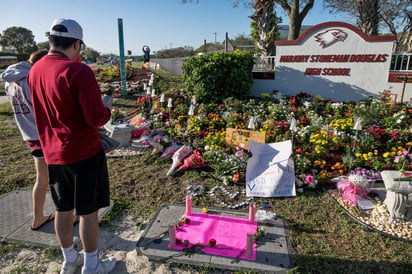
(212, 243)
(236, 177)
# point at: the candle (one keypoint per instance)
(251, 124)
(191, 110)
(252, 207)
(148, 92)
(169, 103)
(188, 206)
(162, 98)
(172, 235)
(249, 244)
(144, 86)
(358, 124)
(293, 125)
(153, 93)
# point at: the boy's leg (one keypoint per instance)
(89, 231)
(64, 228)
(39, 192)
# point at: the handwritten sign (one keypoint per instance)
(270, 172)
(241, 137)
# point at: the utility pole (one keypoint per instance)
(215, 33)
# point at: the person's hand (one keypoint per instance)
(107, 101)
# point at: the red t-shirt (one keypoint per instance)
(68, 109)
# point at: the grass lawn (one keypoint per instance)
(323, 237)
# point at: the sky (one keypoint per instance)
(159, 24)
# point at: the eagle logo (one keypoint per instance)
(330, 36)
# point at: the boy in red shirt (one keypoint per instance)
(69, 110)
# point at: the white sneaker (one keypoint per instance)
(104, 266)
(71, 268)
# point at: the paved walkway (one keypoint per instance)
(16, 216)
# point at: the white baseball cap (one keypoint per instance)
(74, 30)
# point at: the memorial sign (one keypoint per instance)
(336, 61)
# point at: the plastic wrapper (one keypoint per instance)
(143, 130)
(137, 120)
(157, 147)
(195, 160)
(178, 158)
(169, 151)
(351, 191)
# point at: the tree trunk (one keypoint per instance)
(368, 20)
(265, 24)
(295, 17)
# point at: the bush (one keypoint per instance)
(216, 76)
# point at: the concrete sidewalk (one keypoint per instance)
(16, 216)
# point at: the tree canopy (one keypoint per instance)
(372, 15)
(91, 55)
(43, 45)
(18, 39)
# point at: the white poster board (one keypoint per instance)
(270, 172)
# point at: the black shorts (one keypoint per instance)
(83, 186)
(37, 153)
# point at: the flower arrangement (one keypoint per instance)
(325, 142)
(259, 233)
(402, 158)
(226, 165)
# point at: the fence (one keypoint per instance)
(264, 63)
(173, 65)
(399, 63)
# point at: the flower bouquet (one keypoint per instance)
(355, 186)
(169, 151)
(178, 158)
(195, 160)
(157, 147)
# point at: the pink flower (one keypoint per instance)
(310, 180)
(195, 160)
(239, 153)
